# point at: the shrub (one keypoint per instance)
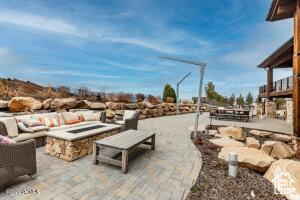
(169, 92)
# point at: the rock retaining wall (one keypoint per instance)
(289, 111)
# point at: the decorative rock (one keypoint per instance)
(201, 128)
(277, 149)
(261, 133)
(249, 157)
(63, 103)
(110, 114)
(286, 166)
(170, 100)
(252, 142)
(3, 104)
(47, 103)
(91, 105)
(235, 132)
(226, 142)
(281, 137)
(148, 105)
(23, 104)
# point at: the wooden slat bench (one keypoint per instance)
(123, 141)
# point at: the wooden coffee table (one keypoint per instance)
(123, 141)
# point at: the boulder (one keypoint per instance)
(201, 128)
(148, 105)
(23, 104)
(110, 114)
(170, 100)
(3, 104)
(286, 166)
(47, 103)
(63, 103)
(119, 112)
(236, 133)
(277, 149)
(226, 142)
(252, 142)
(91, 105)
(132, 106)
(261, 133)
(281, 137)
(249, 157)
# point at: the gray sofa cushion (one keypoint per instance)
(26, 136)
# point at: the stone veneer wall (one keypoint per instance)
(115, 111)
(72, 150)
(270, 109)
(289, 111)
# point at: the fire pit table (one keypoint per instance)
(73, 143)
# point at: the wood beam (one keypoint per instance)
(296, 71)
(270, 83)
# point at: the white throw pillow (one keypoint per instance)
(39, 128)
(30, 122)
(91, 116)
(23, 128)
(11, 127)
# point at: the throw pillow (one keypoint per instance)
(30, 122)
(70, 118)
(6, 140)
(11, 127)
(23, 128)
(39, 128)
(49, 122)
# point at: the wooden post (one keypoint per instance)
(270, 83)
(95, 153)
(296, 76)
(124, 161)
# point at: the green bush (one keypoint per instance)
(169, 92)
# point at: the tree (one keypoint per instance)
(210, 91)
(249, 99)
(240, 100)
(169, 92)
(232, 99)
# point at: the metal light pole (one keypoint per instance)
(202, 68)
(177, 92)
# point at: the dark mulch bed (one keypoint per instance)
(214, 183)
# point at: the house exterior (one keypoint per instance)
(286, 56)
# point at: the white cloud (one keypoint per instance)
(40, 22)
(78, 74)
(132, 67)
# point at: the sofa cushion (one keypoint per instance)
(23, 128)
(91, 116)
(120, 122)
(26, 136)
(70, 118)
(30, 122)
(128, 114)
(11, 126)
(6, 140)
(49, 122)
(39, 128)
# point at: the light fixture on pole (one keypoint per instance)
(202, 68)
(177, 92)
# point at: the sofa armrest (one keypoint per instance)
(3, 130)
(103, 117)
(132, 123)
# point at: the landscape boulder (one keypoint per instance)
(3, 104)
(261, 133)
(110, 114)
(252, 142)
(132, 106)
(281, 137)
(251, 158)
(47, 103)
(148, 105)
(170, 100)
(23, 104)
(286, 166)
(236, 133)
(277, 149)
(91, 105)
(63, 103)
(226, 142)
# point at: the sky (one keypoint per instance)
(114, 45)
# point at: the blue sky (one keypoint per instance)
(115, 43)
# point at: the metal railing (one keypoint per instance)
(278, 86)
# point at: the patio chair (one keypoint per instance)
(130, 120)
(17, 160)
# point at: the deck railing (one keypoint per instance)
(279, 86)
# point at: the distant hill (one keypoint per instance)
(13, 87)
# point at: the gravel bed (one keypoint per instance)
(214, 183)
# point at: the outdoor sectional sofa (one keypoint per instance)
(9, 125)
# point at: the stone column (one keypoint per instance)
(289, 111)
(270, 109)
